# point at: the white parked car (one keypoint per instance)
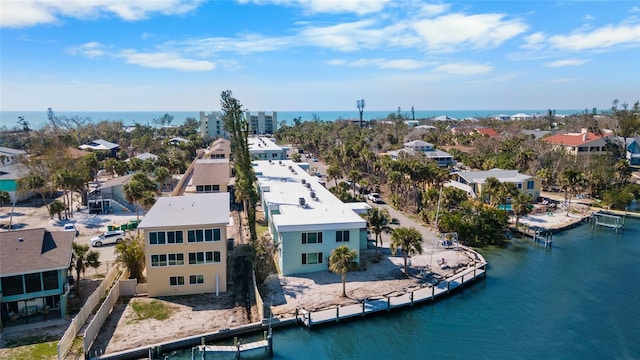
(108, 237)
(375, 197)
(71, 227)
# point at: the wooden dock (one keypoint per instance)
(238, 347)
(372, 306)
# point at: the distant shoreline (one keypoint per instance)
(37, 119)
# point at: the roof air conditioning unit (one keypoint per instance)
(301, 201)
(303, 181)
(313, 194)
(308, 185)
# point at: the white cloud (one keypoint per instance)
(605, 37)
(243, 44)
(398, 64)
(561, 80)
(534, 41)
(160, 60)
(588, 17)
(91, 50)
(464, 68)
(449, 32)
(359, 7)
(24, 13)
(568, 62)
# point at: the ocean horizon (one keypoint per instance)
(37, 119)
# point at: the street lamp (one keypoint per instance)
(360, 105)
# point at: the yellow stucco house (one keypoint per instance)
(186, 244)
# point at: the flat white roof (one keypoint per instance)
(281, 184)
(262, 143)
(188, 210)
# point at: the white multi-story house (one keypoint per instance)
(306, 220)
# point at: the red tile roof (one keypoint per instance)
(487, 131)
(574, 139)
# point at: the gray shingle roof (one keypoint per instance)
(39, 250)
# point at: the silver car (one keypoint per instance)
(108, 237)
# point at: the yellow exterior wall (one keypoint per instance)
(158, 277)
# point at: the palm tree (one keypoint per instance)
(354, 177)
(490, 191)
(378, 220)
(507, 190)
(130, 253)
(407, 239)
(521, 205)
(57, 207)
(34, 182)
(340, 262)
(571, 181)
(162, 175)
(82, 258)
(137, 190)
(334, 173)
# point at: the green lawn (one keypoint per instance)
(31, 348)
(150, 310)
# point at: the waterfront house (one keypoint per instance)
(209, 176)
(583, 143)
(443, 159)
(102, 146)
(305, 220)
(186, 244)
(33, 275)
(476, 180)
(264, 148)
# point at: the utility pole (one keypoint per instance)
(360, 105)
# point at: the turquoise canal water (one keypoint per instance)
(578, 300)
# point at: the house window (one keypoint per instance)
(50, 280)
(174, 237)
(311, 258)
(206, 257)
(32, 282)
(196, 258)
(12, 285)
(342, 236)
(159, 260)
(157, 238)
(312, 238)
(176, 280)
(196, 279)
(582, 149)
(530, 184)
(519, 185)
(176, 259)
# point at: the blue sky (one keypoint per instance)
(282, 55)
